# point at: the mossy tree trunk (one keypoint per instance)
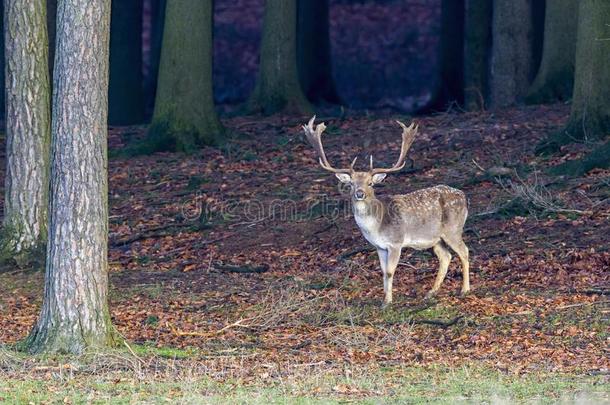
(74, 313)
(184, 116)
(477, 45)
(555, 77)
(450, 86)
(511, 51)
(277, 86)
(27, 125)
(126, 92)
(313, 51)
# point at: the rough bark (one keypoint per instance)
(184, 116)
(27, 124)
(450, 86)
(277, 85)
(313, 52)
(51, 22)
(126, 92)
(555, 77)
(74, 314)
(511, 51)
(477, 45)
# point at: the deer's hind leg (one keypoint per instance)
(444, 257)
(457, 244)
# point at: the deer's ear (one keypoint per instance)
(378, 178)
(343, 177)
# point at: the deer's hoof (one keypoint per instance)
(464, 293)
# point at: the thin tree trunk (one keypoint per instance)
(511, 52)
(74, 313)
(277, 86)
(313, 51)
(555, 77)
(126, 92)
(477, 45)
(27, 124)
(184, 116)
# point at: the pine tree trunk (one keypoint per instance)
(277, 86)
(27, 124)
(590, 114)
(74, 313)
(313, 51)
(511, 52)
(184, 116)
(555, 77)
(450, 87)
(477, 44)
(125, 95)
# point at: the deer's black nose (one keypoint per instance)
(359, 194)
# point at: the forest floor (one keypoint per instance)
(242, 266)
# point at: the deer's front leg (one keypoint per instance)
(389, 260)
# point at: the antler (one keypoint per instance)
(408, 135)
(314, 136)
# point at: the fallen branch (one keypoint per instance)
(154, 232)
(241, 269)
(438, 322)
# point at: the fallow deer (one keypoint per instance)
(430, 218)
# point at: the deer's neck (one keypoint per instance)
(368, 215)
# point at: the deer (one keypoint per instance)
(433, 217)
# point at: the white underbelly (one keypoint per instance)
(419, 244)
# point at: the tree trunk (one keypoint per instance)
(313, 51)
(156, 39)
(511, 52)
(277, 86)
(51, 27)
(125, 95)
(590, 115)
(555, 77)
(184, 116)
(450, 86)
(2, 66)
(477, 45)
(74, 313)
(27, 124)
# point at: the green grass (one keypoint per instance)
(416, 385)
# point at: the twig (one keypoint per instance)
(132, 352)
(355, 251)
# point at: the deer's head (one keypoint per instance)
(361, 183)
